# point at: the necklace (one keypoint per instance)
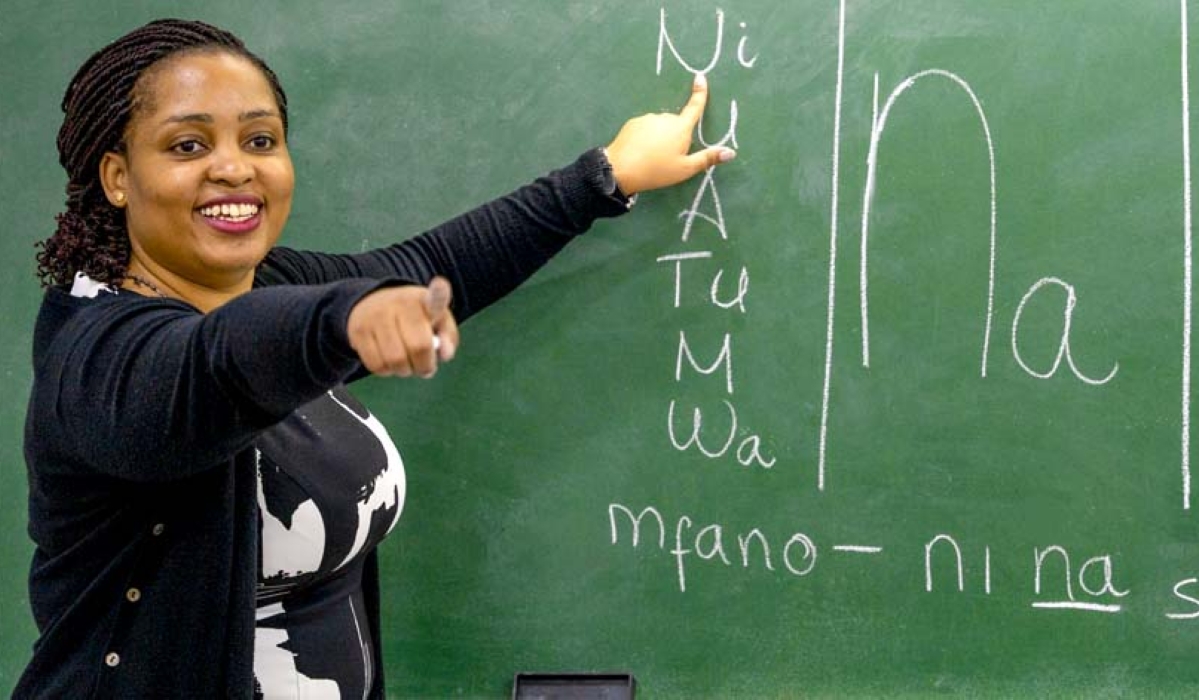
(145, 283)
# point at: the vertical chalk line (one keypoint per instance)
(863, 280)
(1186, 266)
(988, 570)
(832, 249)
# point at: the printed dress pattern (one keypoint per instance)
(330, 488)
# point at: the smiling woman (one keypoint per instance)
(205, 496)
(204, 176)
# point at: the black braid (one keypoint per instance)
(91, 235)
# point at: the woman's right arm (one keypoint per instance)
(149, 390)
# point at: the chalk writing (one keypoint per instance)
(958, 565)
(716, 533)
(735, 301)
(857, 549)
(724, 358)
(677, 259)
(706, 208)
(928, 561)
(1056, 580)
(707, 186)
(730, 136)
(742, 287)
(746, 62)
(879, 123)
(664, 41)
(1063, 349)
(1096, 578)
(1039, 556)
(749, 449)
(1194, 614)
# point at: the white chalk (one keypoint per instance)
(436, 343)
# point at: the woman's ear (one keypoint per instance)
(114, 171)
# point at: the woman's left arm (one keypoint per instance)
(489, 251)
(484, 253)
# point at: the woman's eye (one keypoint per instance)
(189, 147)
(262, 142)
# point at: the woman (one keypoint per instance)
(205, 496)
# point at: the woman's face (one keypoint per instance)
(205, 173)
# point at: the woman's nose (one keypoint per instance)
(230, 165)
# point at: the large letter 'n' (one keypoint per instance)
(879, 123)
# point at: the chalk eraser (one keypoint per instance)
(573, 686)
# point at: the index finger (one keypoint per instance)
(694, 109)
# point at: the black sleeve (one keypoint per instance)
(151, 389)
(486, 252)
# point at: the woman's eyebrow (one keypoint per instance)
(206, 118)
(256, 114)
(181, 118)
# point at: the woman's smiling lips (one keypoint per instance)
(234, 214)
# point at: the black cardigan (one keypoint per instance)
(142, 486)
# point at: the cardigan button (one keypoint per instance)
(112, 659)
(133, 595)
(158, 529)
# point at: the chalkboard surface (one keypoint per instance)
(897, 404)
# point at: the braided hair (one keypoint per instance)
(91, 236)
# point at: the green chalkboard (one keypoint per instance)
(898, 404)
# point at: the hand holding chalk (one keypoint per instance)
(404, 331)
(653, 150)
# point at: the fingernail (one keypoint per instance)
(726, 155)
(701, 80)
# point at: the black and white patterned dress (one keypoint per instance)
(331, 486)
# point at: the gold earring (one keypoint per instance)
(120, 197)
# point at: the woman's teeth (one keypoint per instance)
(230, 212)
